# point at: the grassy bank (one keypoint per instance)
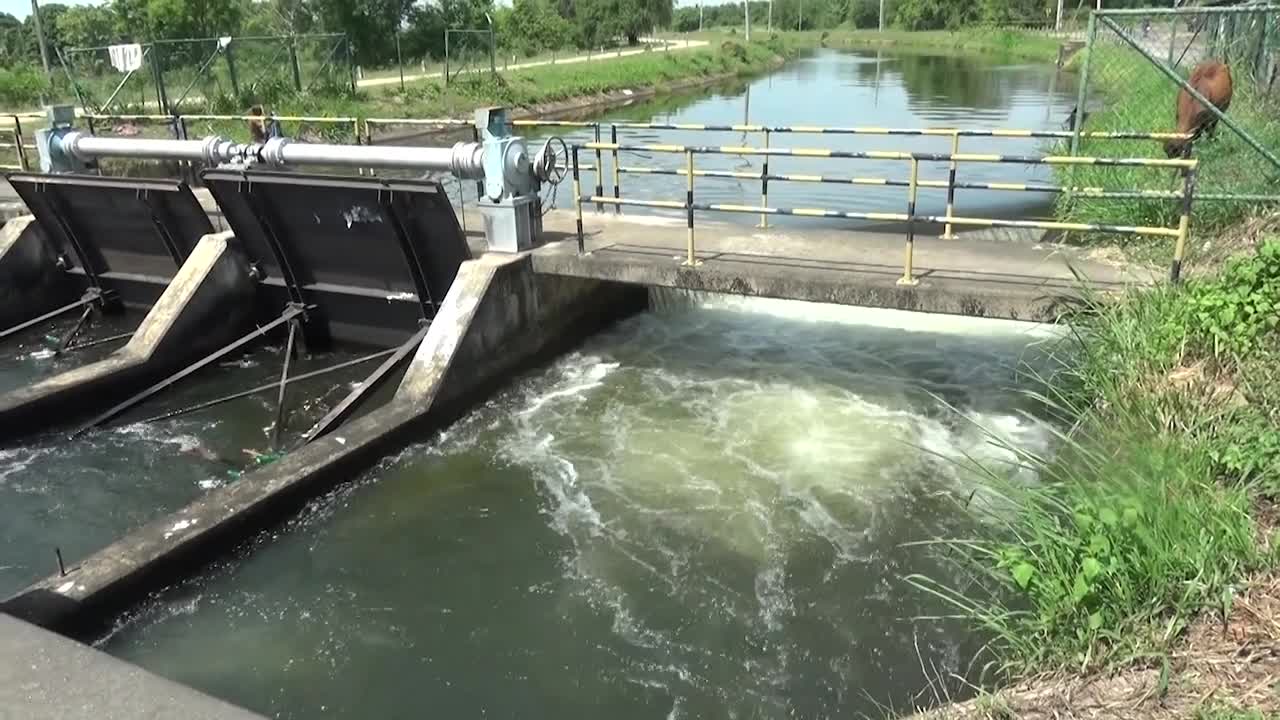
(1154, 515)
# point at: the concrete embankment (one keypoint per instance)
(499, 316)
(208, 304)
(44, 676)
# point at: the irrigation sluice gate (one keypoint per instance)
(320, 256)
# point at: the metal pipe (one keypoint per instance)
(464, 160)
(949, 232)
(212, 150)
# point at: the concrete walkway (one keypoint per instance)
(972, 277)
(673, 46)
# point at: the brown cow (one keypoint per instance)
(1212, 79)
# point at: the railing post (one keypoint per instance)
(577, 201)
(692, 259)
(17, 141)
(1184, 223)
(599, 170)
(764, 183)
(613, 138)
(948, 233)
(908, 271)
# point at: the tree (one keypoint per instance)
(601, 20)
(86, 26)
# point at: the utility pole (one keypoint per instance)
(881, 15)
(770, 21)
(1057, 23)
(746, 11)
(800, 22)
(44, 47)
(699, 17)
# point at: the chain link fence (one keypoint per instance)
(1131, 73)
(218, 75)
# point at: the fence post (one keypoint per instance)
(1082, 95)
(1184, 223)
(908, 270)
(231, 69)
(293, 62)
(949, 233)
(577, 200)
(617, 173)
(692, 259)
(446, 58)
(599, 169)
(157, 68)
(764, 184)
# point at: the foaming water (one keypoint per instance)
(704, 512)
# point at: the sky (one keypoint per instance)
(22, 8)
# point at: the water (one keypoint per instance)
(894, 89)
(80, 495)
(701, 513)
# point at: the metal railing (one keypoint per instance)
(913, 184)
(767, 131)
(11, 128)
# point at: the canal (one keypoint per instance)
(829, 88)
(702, 512)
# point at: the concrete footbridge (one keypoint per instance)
(305, 244)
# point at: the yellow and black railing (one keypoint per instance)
(767, 131)
(1187, 169)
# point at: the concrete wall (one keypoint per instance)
(498, 318)
(208, 304)
(30, 282)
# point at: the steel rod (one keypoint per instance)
(356, 397)
(284, 383)
(289, 313)
(89, 297)
(267, 387)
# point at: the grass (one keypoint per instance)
(1137, 97)
(1144, 517)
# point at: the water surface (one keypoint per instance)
(701, 513)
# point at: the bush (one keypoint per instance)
(22, 86)
(1142, 519)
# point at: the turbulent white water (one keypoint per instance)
(704, 512)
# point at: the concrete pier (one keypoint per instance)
(208, 304)
(44, 676)
(498, 317)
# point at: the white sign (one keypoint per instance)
(126, 58)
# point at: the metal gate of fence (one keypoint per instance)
(223, 73)
(1137, 60)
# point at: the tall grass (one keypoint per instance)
(1142, 518)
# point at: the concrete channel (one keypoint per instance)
(368, 261)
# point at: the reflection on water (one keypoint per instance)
(889, 89)
(701, 513)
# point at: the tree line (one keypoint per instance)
(526, 26)
(903, 14)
